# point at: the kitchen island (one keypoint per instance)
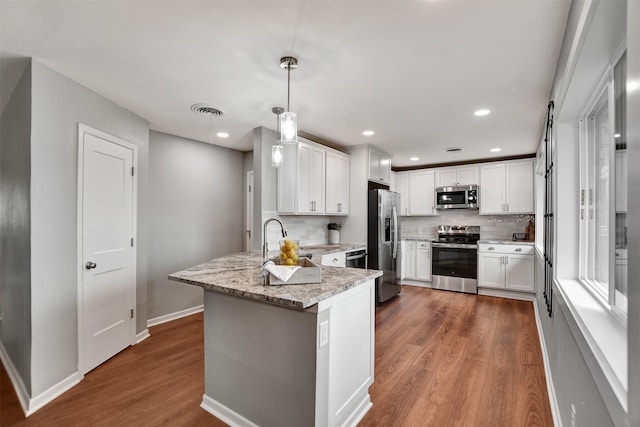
(292, 355)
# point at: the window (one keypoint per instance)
(603, 191)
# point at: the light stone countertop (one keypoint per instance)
(506, 242)
(239, 275)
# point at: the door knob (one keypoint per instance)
(90, 265)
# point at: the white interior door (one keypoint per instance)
(249, 219)
(107, 289)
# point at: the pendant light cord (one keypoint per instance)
(288, 87)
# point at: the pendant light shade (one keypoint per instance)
(288, 119)
(277, 150)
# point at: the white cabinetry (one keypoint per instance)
(337, 183)
(506, 188)
(402, 187)
(423, 261)
(416, 260)
(310, 176)
(379, 166)
(336, 259)
(463, 175)
(421, 192)
(508, 267)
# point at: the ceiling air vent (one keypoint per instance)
(452, 149)
(207, 110)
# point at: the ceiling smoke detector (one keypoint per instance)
(453, 149)
(207, 110)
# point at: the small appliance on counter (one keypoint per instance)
(455, 258)
(383, 241)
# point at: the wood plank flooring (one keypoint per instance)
(442, 359)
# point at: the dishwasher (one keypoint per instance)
(357, 258)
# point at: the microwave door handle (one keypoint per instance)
(395, 233)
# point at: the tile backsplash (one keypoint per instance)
(310, 230)
(495, 227)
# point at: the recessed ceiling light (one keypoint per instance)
(495, 150)
(414, 159)
(617, 135)
(482, 112)
(368, 132)
(222, 135)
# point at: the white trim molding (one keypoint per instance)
(551, 390)
(224, 413)
(32, 404)
(522, 296)
(142, 336)
(174, 316)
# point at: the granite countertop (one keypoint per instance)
(506, 242)
(239, 275)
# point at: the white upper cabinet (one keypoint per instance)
(402, 187)
(313, 180)
(379, 166)
(421, 192)
(506, 188)
(461, 175)
(337, 183)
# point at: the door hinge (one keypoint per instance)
(133, 171)
(132, 313)
(132, 242)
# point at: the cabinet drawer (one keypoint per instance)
(506, 249)
(423, 245)
(336, 259)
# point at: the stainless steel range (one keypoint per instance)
(455, 258)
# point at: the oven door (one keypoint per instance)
(455, 260)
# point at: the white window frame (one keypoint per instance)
(604, 91)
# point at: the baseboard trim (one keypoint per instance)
(551, 391)
(224, 413)
(142, 336)
(56, 390)
(522, 296)
(16, 380)
(360, 412)
(173, 316)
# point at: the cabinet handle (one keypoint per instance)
(518, 249)
(491, 248)
(506, 259)
(339, 207)
(507, 204)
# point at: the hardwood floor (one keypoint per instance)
(442, 359)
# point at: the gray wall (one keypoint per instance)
(15, 228)
(196, 194)
(58, 105)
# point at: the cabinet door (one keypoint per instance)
(385, 169)
(310, 191)
(287, 180)
(403, 259)
(423, 264)
(519, 272)
(492, 189)
(519, 187)
(421, 193)
(402, 187)
(374, 165)
(337, 184)
(491, 270)
(445, 177)
(410, 259)
(467, 175)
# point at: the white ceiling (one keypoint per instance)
(412, 71)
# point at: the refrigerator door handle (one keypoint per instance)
(395, 233)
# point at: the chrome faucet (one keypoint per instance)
(265, 247)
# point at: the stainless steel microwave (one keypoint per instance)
(457, 197)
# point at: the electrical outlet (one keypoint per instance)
(324, 333)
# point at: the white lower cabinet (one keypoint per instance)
(336, 259)
(507, 267)
(416, 260)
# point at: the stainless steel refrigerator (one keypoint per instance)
(383, 241)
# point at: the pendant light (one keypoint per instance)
(288, 120)
(277, 151)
